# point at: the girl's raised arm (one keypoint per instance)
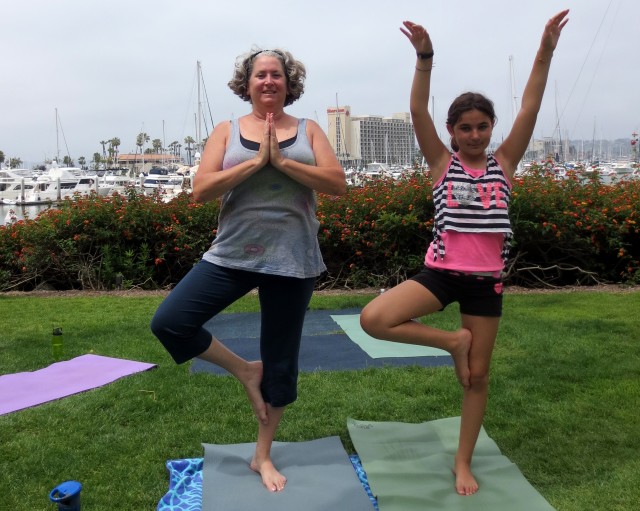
(514, 146)
(435, 152)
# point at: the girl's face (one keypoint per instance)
(267, 83)
(472, 132)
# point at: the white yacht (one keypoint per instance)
(59, 183)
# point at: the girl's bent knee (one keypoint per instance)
(371, 324)
(366, 321)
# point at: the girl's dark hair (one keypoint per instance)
(294, 71)
(466, 102)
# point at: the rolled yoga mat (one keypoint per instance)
(409, 466)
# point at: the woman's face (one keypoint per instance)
(472, 132)
(268, 82)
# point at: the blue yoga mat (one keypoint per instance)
(326, 344)
(321, 353)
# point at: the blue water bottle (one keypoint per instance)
(67, 496)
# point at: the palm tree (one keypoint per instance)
(81, 161)
(189, 140)
(115, 144)
(96, 160)
(104, 152)
(1, 158)
(15, 163)
(157, 145)
(141, 140)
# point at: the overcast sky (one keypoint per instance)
(116, 68)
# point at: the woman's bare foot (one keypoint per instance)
(271, 478)
(460, 355)
(466, 484)
(252, 388)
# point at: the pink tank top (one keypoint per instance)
(468, 252)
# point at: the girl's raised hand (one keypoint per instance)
(552, 30)
(418, 36)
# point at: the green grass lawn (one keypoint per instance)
(564, 400)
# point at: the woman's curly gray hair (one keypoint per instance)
(294, 70)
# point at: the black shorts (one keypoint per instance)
(478, 295)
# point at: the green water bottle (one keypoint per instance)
(56, 344)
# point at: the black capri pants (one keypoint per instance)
(208, 289)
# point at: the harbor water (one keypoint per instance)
(22, 212)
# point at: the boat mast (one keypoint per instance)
(198, 125)
(57, 140)
(559, 146)
(514, 102)
(593, 142)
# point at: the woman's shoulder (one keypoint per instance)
(222, 128)
(226, 124)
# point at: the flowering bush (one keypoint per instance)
(376, 235)
(102, 242)
(573, 231)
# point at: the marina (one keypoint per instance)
(27, 192)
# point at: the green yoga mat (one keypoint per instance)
(376, 348)
(408, 467)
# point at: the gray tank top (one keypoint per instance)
(268, 223)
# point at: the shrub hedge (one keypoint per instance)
(566, 232)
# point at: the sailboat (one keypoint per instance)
(53, 185)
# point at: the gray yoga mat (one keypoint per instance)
(409, 466)
(320, 477)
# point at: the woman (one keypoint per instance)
(471, 190)
(266, 166)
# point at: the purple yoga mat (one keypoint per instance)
(22, 390)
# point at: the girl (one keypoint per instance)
(471, 191)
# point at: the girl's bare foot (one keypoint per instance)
(252, 388)
(271, 478)
(466, 484)
(460, 355)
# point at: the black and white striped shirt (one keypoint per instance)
(464, 203)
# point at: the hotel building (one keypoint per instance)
(359, 140)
